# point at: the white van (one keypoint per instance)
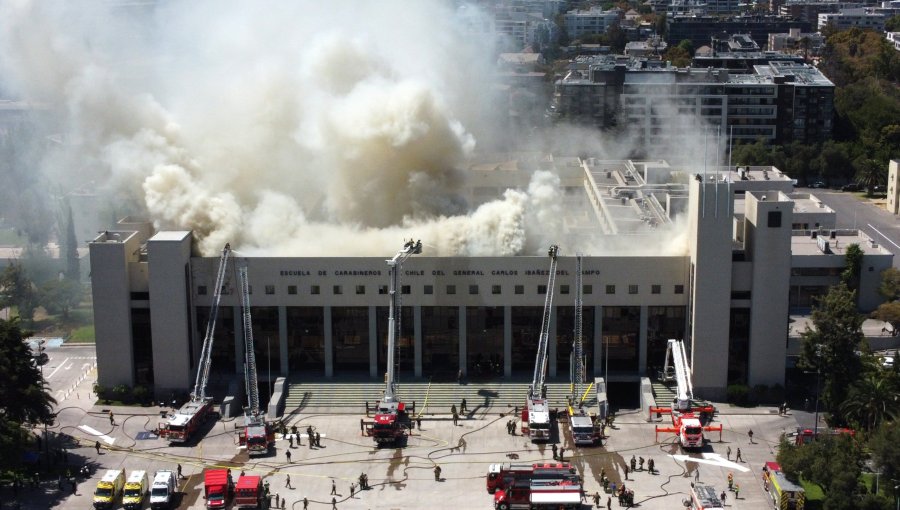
(135, 490)
(162, 492)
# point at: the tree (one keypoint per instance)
(18, 290)
(24, 398)
(661, 25)
(853, 257)
(677, 56)
(892, 24)
(890, 284)
(73, 269)
(885, 447)
(889, 312)
(871, 400)
(830, 346)
(687, 46)
(869, 173)
(60, 296)
(832, 462)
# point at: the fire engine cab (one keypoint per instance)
(704, 497)
(501, 476)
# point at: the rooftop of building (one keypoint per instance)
(804, 244)
(798, 73)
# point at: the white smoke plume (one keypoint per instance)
(288, 129)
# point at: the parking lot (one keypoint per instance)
(404, 477)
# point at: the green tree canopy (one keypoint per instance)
(885, 447)
(890, 284)
(23, 397)
(830, 347)
(832, 462)
(16, 289)
(871, 400)
(60, 296)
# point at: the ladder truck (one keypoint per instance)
(536, 413)
(689, 417)
(392, 421)
(192, 415)
(582, 424)
(257, 435)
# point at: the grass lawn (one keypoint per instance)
(9, 237)
(82, 335)
(814, 495)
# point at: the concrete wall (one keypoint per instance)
(768, 247)
(168, 255)
(893, 186)
(111, 253)
(710, 223)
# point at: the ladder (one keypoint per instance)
(537, 389)
(250, 381)
(199, 393)
(578, 347)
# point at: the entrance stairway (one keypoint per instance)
(344, 397)
(663, 392)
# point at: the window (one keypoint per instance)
(405, 289)
(249, 289)
(632, 289)
(656, 289)
(563, 289)
(360, 289)
(337, 290)
(774, 219)
(473, 289)
(587, 289)
(270, 289)
(451, 289)
(201, 290)
(429, 289)
(292, 290)
(314, 289)
(520, 289)
(679, 289)
(610, 289)
(495, 289)
(542, 289)
(382, 289)
(740, 294)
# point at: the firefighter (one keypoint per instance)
(437, 473)
(730, 481)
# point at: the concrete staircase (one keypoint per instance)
(663, 392)
(430, 398)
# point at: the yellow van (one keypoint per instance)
(109, 488)
(135, 490)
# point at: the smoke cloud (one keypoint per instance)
(298, 129)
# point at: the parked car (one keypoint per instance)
(878, 189)
(817, 184)
(852, 186)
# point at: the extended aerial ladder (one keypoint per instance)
(689, 417)
(581, 422)
(391, 419)
(192, 414)
(536, 414)
(257, 435)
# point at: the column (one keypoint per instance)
(599, 354)
(642, 342)
(462, 339)
(373, 343)
(283, 338)
(507, 341)
(329, 342)
(417, 340)
(238, 340)
(551, 348)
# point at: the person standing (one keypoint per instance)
(419, 422)
(697, 474)
(288, 455)
(723, 497)
(609, 503)
(305, 504)
(287, 483)
(437, 473)
(650, 465)
(626, 472)
(318, 440)
(737, 491)
(97, 446)
(352, 489)
(597, 499)
(455, 418)
(112, 421)
(333, 487)
(463, 408)
(750, 433)
(738, 458)
(178, 470)
(333, 504)
(555, 451)
(728, 453)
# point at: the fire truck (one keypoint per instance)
(688, 416)
(218, 488)
(539, 495)
(392, 420)
(786, 495)
(806, 436)
(194, 414)
(257, 436)
(248, 493)
(500, 476)
(582, 425)
(536, 413)
(704, 497)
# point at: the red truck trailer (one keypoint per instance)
(218, 488)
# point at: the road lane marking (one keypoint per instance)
(713, 459)
(882, 235)
(57, 368)
(94, 432)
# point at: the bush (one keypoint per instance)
(121, 392)
(738, 394)
(141, 395)
(102, 393)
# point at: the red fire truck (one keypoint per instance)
(249, 492)
(217, 488)
(539, 495)
(806, 436)
(500, 476)
(187, 420)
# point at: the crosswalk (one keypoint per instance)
(436, 398)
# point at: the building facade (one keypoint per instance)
(593, 21)
(747, 262)
(701, 29)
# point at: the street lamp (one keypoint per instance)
(816, 425)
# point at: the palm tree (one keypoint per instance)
(871, 400)
(869, 173)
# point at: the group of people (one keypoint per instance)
(511, 427)
(637, 464)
